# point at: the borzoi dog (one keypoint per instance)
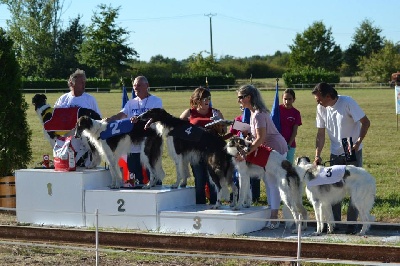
(118, 144)
(324, 189)
(288, 181)
(45, 113)
(187, 144)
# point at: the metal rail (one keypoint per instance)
(208, 244)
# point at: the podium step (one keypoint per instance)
(201, 219)
(134, 208)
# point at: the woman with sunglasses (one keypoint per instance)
(200, 114)
(263, 132)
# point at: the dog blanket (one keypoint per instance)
(260, 156)
(117, 127)
(63, 119)
(328, 175)
(188, 133)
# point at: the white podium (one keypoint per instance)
(49, 197)
(201, 219)
(134, 208)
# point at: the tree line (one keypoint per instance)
(46, 50)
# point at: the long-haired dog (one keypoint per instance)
(45, 113)
(188, 144)
(355, 182)
(288, 181)
(113, 147)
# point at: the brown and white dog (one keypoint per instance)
(45, 114)
(113, 147)
(289, 183)
(188, 144)
(323, 191)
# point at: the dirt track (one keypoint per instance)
(379, 245)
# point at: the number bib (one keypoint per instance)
(328, 175)
(117, 127)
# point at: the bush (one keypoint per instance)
(15, 135)
(309, 77)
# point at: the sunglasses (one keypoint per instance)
(206, 99)
(242, 96)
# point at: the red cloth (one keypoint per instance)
(234, 131)
(63, 119)
(260, 156)
(198, 119)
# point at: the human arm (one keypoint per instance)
(185, 115)
(261, 135)
(319, 145)
(220, 128)
(293, 136)
(119, 116)
(365, 124)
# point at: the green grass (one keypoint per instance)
(381, 146)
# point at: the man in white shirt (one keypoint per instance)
(143, 102)
(341, 117)
(77, 97)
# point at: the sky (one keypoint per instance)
(180, 28)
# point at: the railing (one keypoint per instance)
(51, 90)
(262, 86)
(350, 85)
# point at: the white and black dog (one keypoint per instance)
(289, 183)
(45, 113)
(323, 190)
(116, 145)
(188, 144)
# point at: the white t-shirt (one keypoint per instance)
(137, 106)
(341, 120)
(85, 100)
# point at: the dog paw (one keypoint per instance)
(236, 208)
(316, 233)
(215, 207)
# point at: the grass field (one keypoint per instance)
(381, 146)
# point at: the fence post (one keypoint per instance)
(97, 236)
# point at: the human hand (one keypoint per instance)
(133, 119)
(239, 157)
(317, 160)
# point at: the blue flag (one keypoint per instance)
(246, 116)
(133, 94)
(125, 98)
(275, 113)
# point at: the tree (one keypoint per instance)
(198, 63)
(15, 135)
(104, 46)
(366, 40)
(34, 27)
(380, 65)
(69, 42)
(315, 48)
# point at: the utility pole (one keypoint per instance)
(211, 44)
